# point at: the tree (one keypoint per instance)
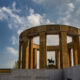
(16, 65)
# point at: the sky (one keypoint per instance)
(18, 15)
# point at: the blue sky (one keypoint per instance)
(18, 15)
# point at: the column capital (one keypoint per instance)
(24, 39)
(78, 32)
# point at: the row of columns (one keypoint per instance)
(28, 55)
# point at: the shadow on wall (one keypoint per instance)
(69, 79)
(72, 73)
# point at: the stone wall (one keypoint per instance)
(23, 74)
(72, 73)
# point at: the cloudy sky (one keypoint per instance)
(18, 15)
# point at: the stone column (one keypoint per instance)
(75, 55)
(35, 58)
(31, 53)
(57, 59)
(78, 44)
(43, 55)
(70, 56)
(25, 55)
(64, 56)
(19, 58)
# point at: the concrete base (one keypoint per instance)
(72, 73)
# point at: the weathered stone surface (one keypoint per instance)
(78, 44)
(57, 59)
(41, 74)
(34, 58)
(43, 55)
(75, 50)
(19, 58)
(70, 56)
(28, 57)
(72, 73)
(64, 50)
(31, 53)
(25, 54)
(52, 29)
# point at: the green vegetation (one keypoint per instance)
(16, 65)
(51, 66)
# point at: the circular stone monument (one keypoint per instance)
(66, 54)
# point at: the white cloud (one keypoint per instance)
(12, 18)
(70, 14)
(8, 57)
(7, 64)
(19, 31)
(21, 22)
(67, 15)
(12, 50)
(14, 40)
(71, 5)
(14, 7)
(70, 8)
(51, 2)
(35, 19)
(39, 1)
(10, 64)
(67, 10)
(77, 0)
